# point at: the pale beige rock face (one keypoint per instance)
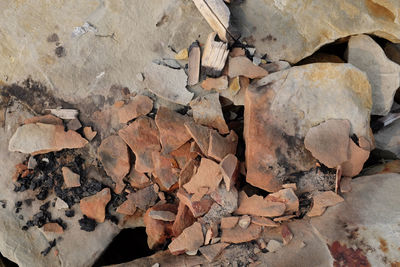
(292, 30)
(136, 35)
(383, 74)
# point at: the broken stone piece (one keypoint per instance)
(291, 185)
(64, 113)
(239, 235)
(173, 133)
(242, 66)
(143, 138)
(211, 252)
(237, 52)
(236, 90)
(276, 66)
(208, 175)
(329, 142)
(46, 119)
(198, 208)
(228, 200)
(192, 238)
(143, 198)
(194, 64)
(94, 206)
(383, 74)
(262, 221)
(274, 245)
(207, 111)
(74, 125)
(284, 218)
(229, 166)
(162, 215)
(322, 200)
(286, 196)
(138, 106)
(137, 179)
(220, 146)
(256, 205)
(217, 14)
(168, 83)
(40, 138)
(287, 235)
(164, 172)
(200, 134)
(71, 179)
(229, 222)
(184, 218)
(183, 155)
(114, 155)
(61, 204)
(244, 221)
(220, 83)
(268, 101)
(214, 56)
(127, 207)
(32, 163)
(187, 172)
(53, 228)
(345, 184)
(89, 133)
(357, 158)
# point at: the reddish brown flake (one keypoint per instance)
(71, 179)
(242, 66)
(208, 175)
(211, 252)
(114, 156)
(47, 119)
(262, 221)
(21, 171)
(347, 257)
(138, 179)
(183, 155)
(138, 106)
(171, 125)
(89, 133)
(237, 52)
(287, 235)
(220, 83)
(322, 200)
(187, 172)
(198, 208)
(284, 218)
(184, 218)
(143, 198)
(230, 170)
(229, 222)
(286, 196)
(238, 235)
(53, 228)
(191, 239)
(95, 206)
(357, 157)
(200, 134)
(164, 173)
(143, 138)
(256, 205)
(127, 207)
(221, 146)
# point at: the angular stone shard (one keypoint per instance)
(167, 83)
(220, 83)
(242, 66)
(230, 170)
(208, 175)
(198, 208)
(274, 136)
(211, 252)
(229, 222)
(357, 158)
(95, 206)
(274, 245)
(184, 219)
(228, 200)
(71, 179)
(40, 138)
(164, 173)
(383, 74)
(194, 64)
(220, 146)
(200, 134)
(74, 125)
(262, 221)
(143, 138)
(89, 133)
(143, 198)
(53, 228)
(187, 172)
(191, 239)
(294, 34)
(46, 119)
(138, 106)
(286, 196)
(389, 138)
(183, 155)
(127, 207)
(207, 111)
(256, 205)
(137, 179)
(173, 133)
(113, 154)
(322, 200)
(162, 215)
(239, 235)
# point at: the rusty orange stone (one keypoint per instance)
(95, 206)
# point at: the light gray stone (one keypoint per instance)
(388, 138)
(383, 74)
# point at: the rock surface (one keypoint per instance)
(290, 102)
(39, 138)
(284, 31)
(383, 74)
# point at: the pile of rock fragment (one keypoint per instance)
(195, 189)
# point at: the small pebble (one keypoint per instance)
(244, 221)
